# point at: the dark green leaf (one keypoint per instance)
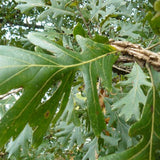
(36, 72)
(79, 30)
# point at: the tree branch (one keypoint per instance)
(120, 70)
(151, 41)
(137, 53)
(154, 45)
(9, 93)
(89, 32)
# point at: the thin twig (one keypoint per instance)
(89, 32)
(154, 45)
(9, 93)
(2, 154)
(120, 70)
(123, 59)
(151, 41)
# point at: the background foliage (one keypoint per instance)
(71, 103)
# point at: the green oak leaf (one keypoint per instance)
(99, 69)
(25, 5)
(77, 137)
(55, 9)
(129, 104)
(103, 8)
(148, 127)
(92, 150)
(79, 30)
(21, 142)
(157, 5)
(154, 21)
(36, 73)
(42, 117)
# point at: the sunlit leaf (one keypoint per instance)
(37, 72)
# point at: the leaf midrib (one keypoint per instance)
(59, 65)
(37, 93)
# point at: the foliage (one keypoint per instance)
(136, 78)
(71, 103)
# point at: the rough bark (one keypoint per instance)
(138, 53)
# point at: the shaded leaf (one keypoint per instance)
(78, 30)
(92, 150)
(110, 140)
(100, 39)
(6, 104)
(56, 9)
(25, 5)
(130, 103)
(154, 21)
(21, 142)
(77, 137)
(147, 127)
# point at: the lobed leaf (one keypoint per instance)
(37, 72)
(55, 9)
(103, 8)
(147, 127)
(27, 5)
(92, 150)
(21, 142)
(129, 104)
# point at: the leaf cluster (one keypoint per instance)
(71, 105)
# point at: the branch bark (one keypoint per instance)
(137, 53)
(89, 32)
(9, 93)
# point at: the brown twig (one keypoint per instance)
(138, 53)
(123, 59)
(154, 45)
(2, 154)
(89, 32)
(120, 70)
(151, 41)
(9, 93)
